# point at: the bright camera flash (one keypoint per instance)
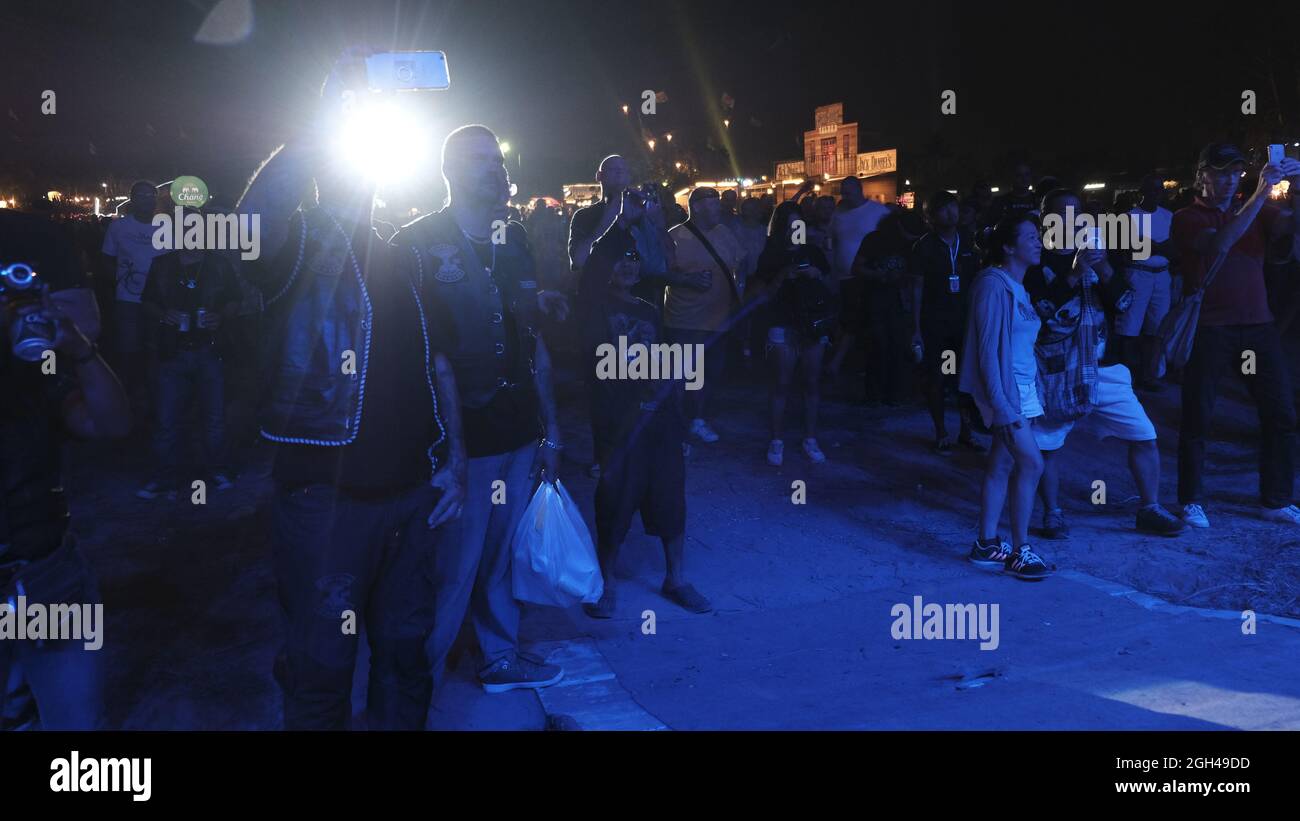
(383, 142)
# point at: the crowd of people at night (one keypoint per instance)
(406, 372)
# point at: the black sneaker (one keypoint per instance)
(1026, 564)
(1157, 520)
(520, 672)
(991, 556)
(1054, 526)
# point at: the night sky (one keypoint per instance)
(1078, 89)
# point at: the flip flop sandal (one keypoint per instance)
(688, 598)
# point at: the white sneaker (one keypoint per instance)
(701, 430)
(813, 452)
(1194, 515)
(1287, 515)
(775, 453)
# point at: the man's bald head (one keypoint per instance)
(613, 175)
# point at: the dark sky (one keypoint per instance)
(1079, 89)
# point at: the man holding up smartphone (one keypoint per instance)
(1235, 324)
(1056, 289)
(365, 412)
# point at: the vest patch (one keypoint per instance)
(449, 267)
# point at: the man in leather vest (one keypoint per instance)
(370, 459)
(480, 284)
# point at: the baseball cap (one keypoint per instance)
(1220, 156)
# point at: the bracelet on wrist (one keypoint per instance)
(552, 444)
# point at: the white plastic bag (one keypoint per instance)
(554, 559)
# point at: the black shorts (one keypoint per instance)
(938, 338)
(645, 474)
(853, 305)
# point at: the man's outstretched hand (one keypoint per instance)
(451, 480)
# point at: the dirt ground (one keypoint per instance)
(192, 619)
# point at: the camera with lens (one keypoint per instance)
(22, 297)
(643, 195)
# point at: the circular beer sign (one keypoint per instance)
(190, 192)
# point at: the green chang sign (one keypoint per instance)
(190, 192)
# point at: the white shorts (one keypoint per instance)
(1118, 413)
(1030, 407)
(1151, 297)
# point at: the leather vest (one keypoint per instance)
(324, 321)
(490, 310)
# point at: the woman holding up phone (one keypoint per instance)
(1000, 373)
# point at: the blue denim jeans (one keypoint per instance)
(183, 375)
(472, 562)
(46, 684)
(371, 556)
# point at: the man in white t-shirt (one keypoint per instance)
(1149, 280)
(128, 253)
(854, 218)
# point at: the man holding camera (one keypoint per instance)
(1235, 327)
(364, 409)
(638, 213)
(645, 221)
(66, 389)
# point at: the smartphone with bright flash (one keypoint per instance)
(407, 71)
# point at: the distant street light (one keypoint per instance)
(651, 143)
(726, 123)
(624, 108)
(668, 137)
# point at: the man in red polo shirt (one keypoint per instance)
(1235, 319)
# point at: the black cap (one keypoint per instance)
(1220, 156)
